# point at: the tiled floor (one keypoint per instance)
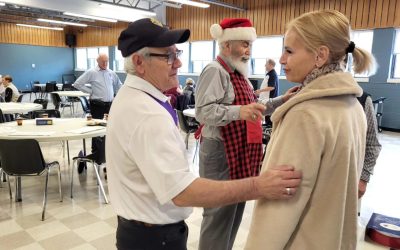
(85, 222)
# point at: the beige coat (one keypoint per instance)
(320, 131)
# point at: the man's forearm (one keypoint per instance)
(210, 193)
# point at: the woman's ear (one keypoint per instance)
(322, 56)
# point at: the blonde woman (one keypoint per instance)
(321, 131)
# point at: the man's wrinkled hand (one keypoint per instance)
(280, 182)
(252, 111)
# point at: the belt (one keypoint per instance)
(100, 102)
(140, 223)
(145, 224)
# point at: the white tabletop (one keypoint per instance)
(61, 130)
(18, 107)
(190, 113)
(72, 93)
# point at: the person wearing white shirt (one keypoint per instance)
(151, 186)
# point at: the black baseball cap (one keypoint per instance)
(149, 32)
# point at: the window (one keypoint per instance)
(81, 59)
(201, 54)
(184, 57)
(119, 60)
(362, 39)
(263, 48)
(86, 57)
(396, 56)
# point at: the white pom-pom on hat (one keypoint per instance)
(216, 31)
(233, 29)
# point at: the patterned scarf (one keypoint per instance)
(243, 158)
(317, 72)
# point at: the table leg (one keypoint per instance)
(18, 195)
(84, 147)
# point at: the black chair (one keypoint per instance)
(50, 87)
(31, 164)
(50, 112)
(378, 106)
(44, 102)
(67, 87)
(2, 119)
(186, 127)
(182, 102)
(58, 103)
(85, 105)
(35, 89)
(97, 158)
(20, 98)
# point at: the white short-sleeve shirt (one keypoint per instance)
(146, 156)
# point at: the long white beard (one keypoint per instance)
(239, 65)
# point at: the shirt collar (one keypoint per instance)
(98, 68)
(145, 86)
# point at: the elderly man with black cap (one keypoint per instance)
(150, 182)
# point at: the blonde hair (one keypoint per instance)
(331, 28)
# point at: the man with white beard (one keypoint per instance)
(231, 146)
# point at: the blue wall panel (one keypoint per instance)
(50, 63)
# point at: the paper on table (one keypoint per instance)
(84, 130)
(30, 133)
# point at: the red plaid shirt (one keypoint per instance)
(243, 158)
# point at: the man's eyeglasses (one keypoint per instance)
(171, 56)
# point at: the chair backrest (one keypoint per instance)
(8, 94)
(34, 88)
(44, 102)
(56, 100)
(99, 154)
(51, 113)
(183, 124)
(50, 87)
(2, 119)
(67, 86)
(85, 104)
(20, 98)
(182, 102)
(21, 157)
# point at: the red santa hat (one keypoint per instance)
(231, 29)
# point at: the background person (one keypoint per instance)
(322, 131)
(231, 146)
(150, 183)
(11, 93)
(271, 80)
(104, 85)
(373, 147)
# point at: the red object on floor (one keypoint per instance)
(384, 230)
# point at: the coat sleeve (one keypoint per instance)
(298, 140)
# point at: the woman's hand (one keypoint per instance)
(291, 92)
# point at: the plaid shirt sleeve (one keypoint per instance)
(373, 147)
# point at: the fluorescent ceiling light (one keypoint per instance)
(187, 2)
(118, 8)
(39, 27)
(62, 22)
(91, 17)
(2, 4)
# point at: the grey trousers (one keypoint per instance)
(220, 224)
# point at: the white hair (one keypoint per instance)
(129, 67)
